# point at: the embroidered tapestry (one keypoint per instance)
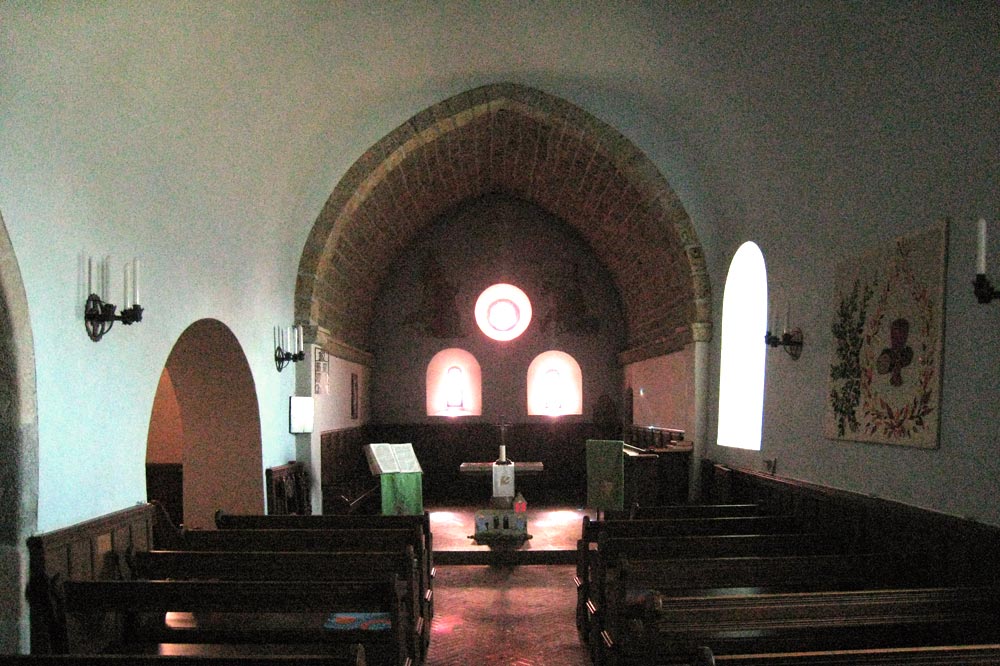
(888, 326)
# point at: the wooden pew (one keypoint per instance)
(270, 614)
(674, 628)
(299, 566)
(228, 521)
(621, 589)
(947, 655)
(348, 539)
(592, 531)
(355, 658)
(598, 544)
(639, 511)
(649, 527)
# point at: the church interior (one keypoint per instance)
(706, 274)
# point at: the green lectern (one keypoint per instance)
(401, 478)
(605, 474)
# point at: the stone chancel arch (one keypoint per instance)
(508, 138)
(18, 449)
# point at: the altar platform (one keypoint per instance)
(554, 529)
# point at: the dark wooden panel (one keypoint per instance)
(347, 484)
(287, 490)
(443, 447)
(165, 484)
(91, 550)
(968, 550)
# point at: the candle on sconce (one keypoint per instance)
(127, 287)
(772, 315)
(981, 248)
(90, 275)
(135, 281)
(299, 332)
(788, 309)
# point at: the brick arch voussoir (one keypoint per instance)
(440, 128)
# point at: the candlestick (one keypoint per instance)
(127, 287)
(106, 277)
(981, 248)
(135, 281)
(99, 315)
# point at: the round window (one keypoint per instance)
(503, 312)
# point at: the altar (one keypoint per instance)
(505, 523)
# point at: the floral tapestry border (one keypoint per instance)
(888, 329)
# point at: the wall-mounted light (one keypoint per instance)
(982, 286)
(288, 347)
(790, 338)
(98, 314)
(300, 414)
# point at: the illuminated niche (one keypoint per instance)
(555, 385)
(503, 312)
(741, 369)
(454, 384)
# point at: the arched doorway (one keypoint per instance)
(205, 427)
(18, 449)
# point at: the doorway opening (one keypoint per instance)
(203, 448)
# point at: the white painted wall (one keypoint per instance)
(204, 138)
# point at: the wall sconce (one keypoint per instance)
(981, 286)
(288, 347)
(99, 315)
(790, 339)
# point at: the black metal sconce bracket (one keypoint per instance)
(282, 358)
(985, 293)
(99, 317)
(791, 340)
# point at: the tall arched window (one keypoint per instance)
(454, 384)
(555, 385)
(741, 372)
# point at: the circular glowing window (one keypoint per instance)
(503, 312)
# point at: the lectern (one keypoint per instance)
(401, 478)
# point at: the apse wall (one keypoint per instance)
(427, 303)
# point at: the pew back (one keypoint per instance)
(809, 621)
(354, 656)
(241, 612)
(684, 511)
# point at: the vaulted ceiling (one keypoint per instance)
(523, 142)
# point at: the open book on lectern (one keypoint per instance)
(389, 458)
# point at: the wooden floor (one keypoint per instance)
(520, 614)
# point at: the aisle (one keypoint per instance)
(511, 616)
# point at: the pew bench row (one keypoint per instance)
(331, 590)
(658, 591)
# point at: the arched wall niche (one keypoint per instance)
(511, 139)
(18, 449)
(207, 397)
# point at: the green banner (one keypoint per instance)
(402, 494)
(605, 474)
